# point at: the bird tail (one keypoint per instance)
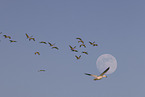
(87, 74)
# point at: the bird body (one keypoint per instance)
(80, 40)
(27, 35)
(41, 70)
(55, 47)
(83, 45)
(78, 57)
(100, 76)
(85, 52)
(93, 43)
(43, 42)
(13, 41)
(73, 48)
(51, 44)
(30, 38)
(7, 36)
(37, 53)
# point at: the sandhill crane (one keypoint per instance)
(78, 57)
(100, 76)
(7, 36)
(37, 53)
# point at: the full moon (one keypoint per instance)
(104, 61)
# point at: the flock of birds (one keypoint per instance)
(73, 49)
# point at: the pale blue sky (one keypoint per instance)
(117, 26)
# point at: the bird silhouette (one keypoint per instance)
(27, 35)
(51, 44)
(80, 40)
(12, 41)
(93, 43)
(37, 53)
(43, 42)
(83, 45)
(73, 48)
(55, 47)
(78, 57)
(7, 36)
(85, 52)
(41, 70)
(31, 39)
(100, 76)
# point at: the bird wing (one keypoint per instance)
(9, 37)
(5, 36)
(76, 56)
(27, 35)
(84, 46)
(33, 39)
(70, 46)
(38, 53)
(79, 38)
(91, 75)
(49, 43)
(90, 42)
(105, 71)
(55, 47)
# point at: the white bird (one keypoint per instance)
(100, 76)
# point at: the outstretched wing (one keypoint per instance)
(26, 35)
(79, 38)
(91, 75)
(104, 71)
(70, 46)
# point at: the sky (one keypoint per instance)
(117, 26)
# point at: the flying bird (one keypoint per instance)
(7, 36)
(100, 76)
(55, 47)
(37, 53)
(80, 40)
(27, 35)
(41, 70)
(51, 44)
(73, 48)
(31, 39)
(83, 45)
(43, 42)
(78, 57)
(93, 43)
(85, 52)
(12, 41)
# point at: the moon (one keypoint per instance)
(104, 61)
